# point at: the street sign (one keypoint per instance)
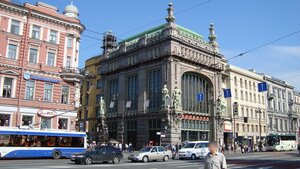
(262, 87)
(162, 135)
(227, 93)
(200, 97)
(158, 133)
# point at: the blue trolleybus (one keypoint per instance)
(16, 143)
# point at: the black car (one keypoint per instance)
(98, 155)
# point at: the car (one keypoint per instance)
(151, 153)
(193, 150)
(98, 155)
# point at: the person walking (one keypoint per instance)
(214, 159)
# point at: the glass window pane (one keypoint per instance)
(12, 51)
(33, 55)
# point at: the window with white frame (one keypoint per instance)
(12, 51)
(33, 54)
(29, 90)
(53, 36)
(15, 27)
(62, 123)
(7, 87)
(45, 123)
(65, 94)
(4, 119)
(27, 120)
(51, 58)
(68, 62)
(36, 31)
(48, 92)
(69, 41)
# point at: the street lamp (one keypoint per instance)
(259, 122)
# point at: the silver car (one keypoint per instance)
(154, 153)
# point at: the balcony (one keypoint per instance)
(270, 96)
(291, 101)
(72, 74)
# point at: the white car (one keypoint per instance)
(193, 150)
(154, 153)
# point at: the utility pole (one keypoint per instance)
(259, 123)
(235, 112)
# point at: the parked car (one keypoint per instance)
(151, 153)
(98, 155)
(193, 150)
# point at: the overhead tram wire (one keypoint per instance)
(157, 20)
(263, 45)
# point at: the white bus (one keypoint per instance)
(17, 143)
(281, 142)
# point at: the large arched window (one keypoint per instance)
(192, 84)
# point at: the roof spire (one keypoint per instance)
(170, 18)
(212, 38)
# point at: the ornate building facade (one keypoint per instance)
(135, 71)
(250, 123)
(39, 78)
(280, 107)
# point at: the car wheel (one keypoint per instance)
(116, 160)
(145, 159)
(88, 160)
(166, 158)
(56, 154)
(193, 157)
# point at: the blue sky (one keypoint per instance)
(240, 26)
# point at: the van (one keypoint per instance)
(193, 150)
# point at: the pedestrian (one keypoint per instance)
(214, 159)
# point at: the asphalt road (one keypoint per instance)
(265, 160)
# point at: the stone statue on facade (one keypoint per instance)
(77, 95)
(176, 97)
(165, 96)
(102, 107)
(221, 104)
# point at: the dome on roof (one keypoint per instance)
(71, 11)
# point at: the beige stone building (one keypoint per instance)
(244, 89)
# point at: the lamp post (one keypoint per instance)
(259, 122)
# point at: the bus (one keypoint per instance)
(18, 143)
(281, 142)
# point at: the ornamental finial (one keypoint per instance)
(170, 17)
(212, 38)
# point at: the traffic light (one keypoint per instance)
(235, 108)
(245, 119)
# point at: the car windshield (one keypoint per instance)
(145, 149)
(189, 145)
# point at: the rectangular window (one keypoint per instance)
(35, 33)
(12, 51)
(4, 119)
(99, 84)
(15, 27)
(68, 62)
(53, 36)
(113, 94)
(62, 123)
(33, 55)
(50, 59)
(65, 94)
(154, 90)
(27, 120)
(48, 92)
(132, 92)
(281, 124)
(276, 123)
(7, 87)
(45, 123)
(69, 41)
(29, 91)
(286, 125)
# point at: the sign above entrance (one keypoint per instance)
(46, 113)
(28, 76)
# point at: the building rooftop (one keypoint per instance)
(157, 29)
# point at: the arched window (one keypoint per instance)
(193, 84)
